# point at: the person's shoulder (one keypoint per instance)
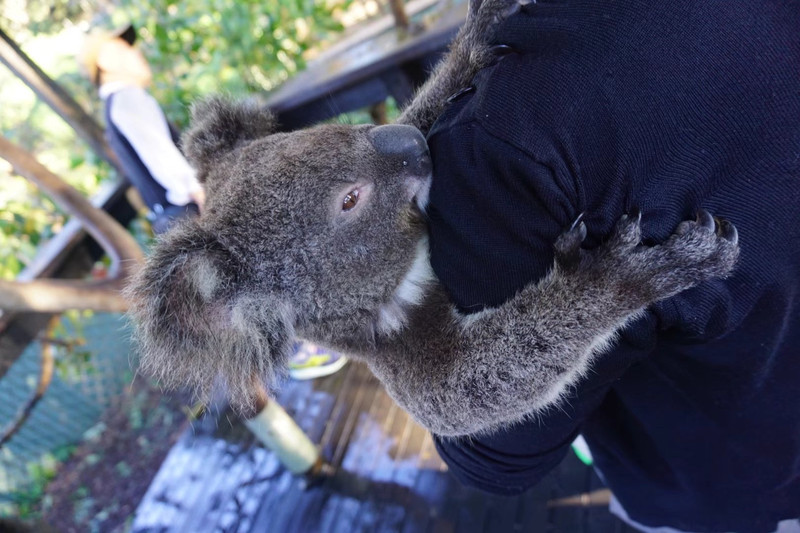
(132, 93)
(131, 101)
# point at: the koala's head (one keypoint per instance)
(310, 227)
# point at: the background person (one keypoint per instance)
(137, 129)
(146, 145)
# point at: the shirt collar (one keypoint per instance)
(107, 89)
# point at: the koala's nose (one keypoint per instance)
(405, 143)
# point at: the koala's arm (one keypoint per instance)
(469, 52)
(468, 375)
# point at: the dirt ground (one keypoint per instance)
(101, 484)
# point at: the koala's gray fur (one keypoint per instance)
(275, 257)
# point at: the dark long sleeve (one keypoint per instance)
(515, 459)
(693, 418)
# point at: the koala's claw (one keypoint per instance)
(578, 220)
(487, 14)
(708, 222)
(568, 245)
(699, 250)
(705, 219)
(629, 230)
(500, 50)
(728, 231)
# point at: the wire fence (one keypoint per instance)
(87, 379)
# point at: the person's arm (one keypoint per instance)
(138, 116)
(489, 238)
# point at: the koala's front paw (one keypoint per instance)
(699, 250)
(491, 12)
(483, 19)
(568, 252)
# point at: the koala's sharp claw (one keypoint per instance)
(568, 246)
(728, 231)
(453, 97)
(582, 231)
(577, 221)
(705, 219)
(510, 10)
(501, 50)
(628, 233)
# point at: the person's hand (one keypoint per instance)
(198, 197)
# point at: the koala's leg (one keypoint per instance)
(469, 52)
(501, 365)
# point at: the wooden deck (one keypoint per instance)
(388, 476)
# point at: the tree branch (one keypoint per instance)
(59, 295)
(45, 377)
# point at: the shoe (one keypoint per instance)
(310, 361)
(581, 449)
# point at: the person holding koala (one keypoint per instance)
(553, 123)
(693, 418)
(137, 130)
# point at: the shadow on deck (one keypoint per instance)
(388, 476)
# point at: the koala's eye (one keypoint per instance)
(350, 200)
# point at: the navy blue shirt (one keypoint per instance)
(694, 417)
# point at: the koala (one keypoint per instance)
(320, 234)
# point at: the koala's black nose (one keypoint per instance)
(406, 143)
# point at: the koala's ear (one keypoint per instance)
(219, 125)
(195, 323)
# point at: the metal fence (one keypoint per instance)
(86, 381)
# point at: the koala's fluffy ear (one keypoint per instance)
(194, 323)
(219, 125)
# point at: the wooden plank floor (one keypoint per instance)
(388, 476)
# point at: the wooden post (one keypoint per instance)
(598, 498)
(275, 429)
(399, 14)
(54, 96)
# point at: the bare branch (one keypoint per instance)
(60, 295)
(45, 377)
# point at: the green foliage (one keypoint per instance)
(26, 219)
(28, 501)
(231, 46)
(72, 360)
(42, 17)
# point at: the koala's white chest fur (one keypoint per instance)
(393, 315)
